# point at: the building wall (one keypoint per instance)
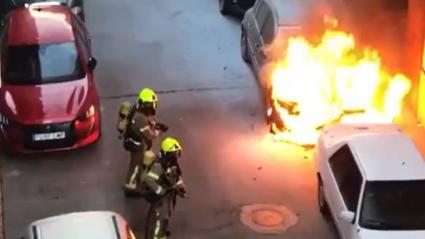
(414, 55)
(396, 28)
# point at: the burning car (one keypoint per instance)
(313, 75)
(269, 24)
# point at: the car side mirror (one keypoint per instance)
(92, 63)
(347, 216)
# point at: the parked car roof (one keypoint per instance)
(42, 24)
(388, 157)
(383, 151)
(78, 225)
(334, 134)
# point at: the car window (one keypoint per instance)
(81, 39)
(347, 176)
(2, 35)
(82, 46)
(267, 30)
(40, 64)
(5, 7)
(79, 26)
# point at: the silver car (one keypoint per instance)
(81, 225)
(268, 20)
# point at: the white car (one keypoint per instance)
(81, 225)
(371, 182)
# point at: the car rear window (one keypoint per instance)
(41, 64)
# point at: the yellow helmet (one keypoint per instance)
(147, 95)
(170, 145)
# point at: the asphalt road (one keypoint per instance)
(187, 50)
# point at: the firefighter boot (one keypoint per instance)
(161, 231)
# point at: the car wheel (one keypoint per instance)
(225, 7)
(321, 200)
(244, 47)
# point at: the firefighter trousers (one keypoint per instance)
(163, 211)
(134, 174)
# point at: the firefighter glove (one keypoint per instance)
(161, 127)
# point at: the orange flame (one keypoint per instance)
(332, 82)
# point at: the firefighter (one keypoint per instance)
(165, 174)
(140, 131)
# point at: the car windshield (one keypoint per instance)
(394, 205)
(41, 64)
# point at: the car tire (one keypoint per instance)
(321, 200)
(244, 47)
(225, 7)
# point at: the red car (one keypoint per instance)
(48, 98)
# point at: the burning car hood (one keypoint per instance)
(30, 104)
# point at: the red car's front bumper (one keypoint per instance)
(79, 133)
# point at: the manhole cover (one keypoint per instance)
(268, 219)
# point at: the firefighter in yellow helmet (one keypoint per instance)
(165, 174)
(141, 130)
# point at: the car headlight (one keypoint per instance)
(89, 113)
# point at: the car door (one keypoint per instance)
(248, 25)
(267, 33)
(255, 39)
(343, 183)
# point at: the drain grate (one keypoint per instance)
(268, 219)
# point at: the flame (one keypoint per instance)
(313, 85)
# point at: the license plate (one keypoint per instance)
(49, 136)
